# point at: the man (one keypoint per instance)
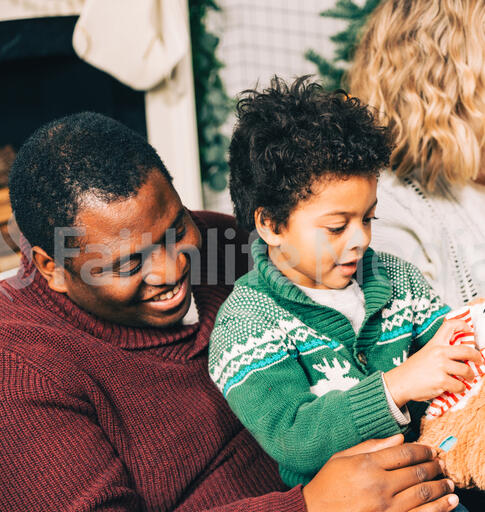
(105, 399)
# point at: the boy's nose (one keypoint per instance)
(358, 239)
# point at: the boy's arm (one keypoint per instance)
(433, 369)
(270, 393)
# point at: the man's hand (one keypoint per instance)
(432, 370)
(381, 475)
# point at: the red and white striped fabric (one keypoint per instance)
(447, 400)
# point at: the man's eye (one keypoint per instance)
(129, 269)
(181, 230)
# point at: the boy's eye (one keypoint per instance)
(367, 220)
(340, 229)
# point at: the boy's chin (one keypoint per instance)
(339, 282)
(343, 285)
(334, 284)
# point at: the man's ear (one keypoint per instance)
(52, 273)
(265, 229)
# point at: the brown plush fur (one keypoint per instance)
(465, 462)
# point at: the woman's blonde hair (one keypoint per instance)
(421, 63)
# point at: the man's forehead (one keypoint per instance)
(152, 208)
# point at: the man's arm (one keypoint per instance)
(53, 455)
(374, 476)
(381, 475)
(290, 501)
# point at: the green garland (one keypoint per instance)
(346, 41)
(212, 103)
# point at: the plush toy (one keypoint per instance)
(455, 424)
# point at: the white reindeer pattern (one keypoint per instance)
(397, 361)
(336, 377)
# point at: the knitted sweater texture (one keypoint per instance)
(101, 417)
(295, 372)
(441, 233)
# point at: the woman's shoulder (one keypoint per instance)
(403, 211)
(390, 182)
(407, 192)
(410, 191)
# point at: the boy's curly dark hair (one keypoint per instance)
(287, 136)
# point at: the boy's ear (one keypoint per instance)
(265, 229)
(52, 273)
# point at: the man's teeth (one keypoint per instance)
(166, 296)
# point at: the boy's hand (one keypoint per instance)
(381, 475)
(479, 300)
(429, 372)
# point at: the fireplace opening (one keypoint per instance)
(41, 79)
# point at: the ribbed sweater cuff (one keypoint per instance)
(294, 501)
(402, 416)
(289, 501)
(369, 409)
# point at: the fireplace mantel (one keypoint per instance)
(169, 107)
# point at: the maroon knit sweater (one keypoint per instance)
(97, 416)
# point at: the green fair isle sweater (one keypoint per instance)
(296, 374)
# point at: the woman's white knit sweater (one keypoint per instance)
(443, 234)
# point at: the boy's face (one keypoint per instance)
(327, 234)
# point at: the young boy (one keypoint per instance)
(312, 349)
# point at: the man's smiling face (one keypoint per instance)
(132, 268)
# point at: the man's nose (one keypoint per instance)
(165, 267)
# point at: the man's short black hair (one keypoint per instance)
(68, 159)
(288, 136)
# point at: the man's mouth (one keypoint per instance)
(169, 291)
(170, 298)
(167, 295)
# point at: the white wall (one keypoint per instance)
(260, 38)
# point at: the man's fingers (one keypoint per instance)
(421, 494)
(444, 504)
(408, 477)
(402, 456)
(372, 445)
